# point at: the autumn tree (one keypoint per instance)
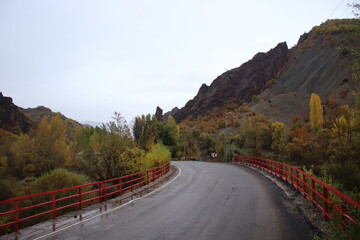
(145, 131)
(316, 112)
(170, 133)
(158, 155)
(111, 143)
(278, 135)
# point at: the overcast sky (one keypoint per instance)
(89, 58)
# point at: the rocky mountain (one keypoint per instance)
(320, 63)
(11, 118)
(278, 83)
(17, 120)
(37, 113)
(237, 85)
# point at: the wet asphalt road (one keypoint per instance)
(206, 201)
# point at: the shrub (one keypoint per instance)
(158, 155)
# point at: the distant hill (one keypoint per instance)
(11, 117)
(278, 83)
(17, 120)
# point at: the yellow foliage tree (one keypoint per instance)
(51, 149)
(278, 134)
(316, 112)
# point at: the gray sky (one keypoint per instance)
(89, 58)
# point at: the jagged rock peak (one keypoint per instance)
(237, 85)
(203, 89)
(158, 113)
(302, 38)
(11, 118)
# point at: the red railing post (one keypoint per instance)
(16, 216)
(105, 191)
(80, 198)
(147, 177)
(141, 180)
(326, 204)
(100, 192)
(291, 176)
(344, 210)
(120, 187)
(297, 180)
(53, 206)
(131, 183)
(313, 192)
(304, 185)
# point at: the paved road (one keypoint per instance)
(206, 201)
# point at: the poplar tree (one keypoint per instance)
(316, 112)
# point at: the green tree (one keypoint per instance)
(110, 142)
(278, 135)
(220, 146)
(170, 133)
(145, 131)
(82, 137)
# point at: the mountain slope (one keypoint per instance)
(278, 83)
(11, 118)
(320, 63)
(237, 85)
(17, 120)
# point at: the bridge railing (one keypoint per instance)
(330, 201)
(16, 213)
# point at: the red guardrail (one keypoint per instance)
(43, 206)
(330, 201)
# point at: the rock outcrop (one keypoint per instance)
(320, 63)
(237, 85)
(11, 118)
(278, 83)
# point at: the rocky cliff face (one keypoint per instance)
(11, 118)
(282, 79)
(37, 113)
(320, 63)
(237, 85)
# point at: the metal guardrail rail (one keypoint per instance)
(17, 212)
(330, 201)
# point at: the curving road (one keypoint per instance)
(206, 201)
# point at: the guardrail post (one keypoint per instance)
(17, 216)
(120, 187)
(313, 192)
(100, 193)
(297, 181)
(105, 192)
(80, 202)
(147, 177)
(304, 185)
(344, 210)
(291, 176)
(131, 183)
(53, 207)
(80, 199)
(326, 204)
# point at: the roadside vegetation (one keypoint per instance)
(48, 155)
